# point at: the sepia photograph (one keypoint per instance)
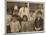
(24, 17)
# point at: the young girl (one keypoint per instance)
(15, 25)
(39, 22)
(26, 26)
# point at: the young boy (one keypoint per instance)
(15, 25)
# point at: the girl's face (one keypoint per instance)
(9, 17)
(39, 15)
(25, 19)
(14, 19)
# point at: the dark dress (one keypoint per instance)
(39, 24)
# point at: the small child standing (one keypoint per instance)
(26, 26)
(15, 25)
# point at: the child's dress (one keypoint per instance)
(26, 26)
(15, 26)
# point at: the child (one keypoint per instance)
(26, 26)
(15, 25)
(9, 17)
(39, 22)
